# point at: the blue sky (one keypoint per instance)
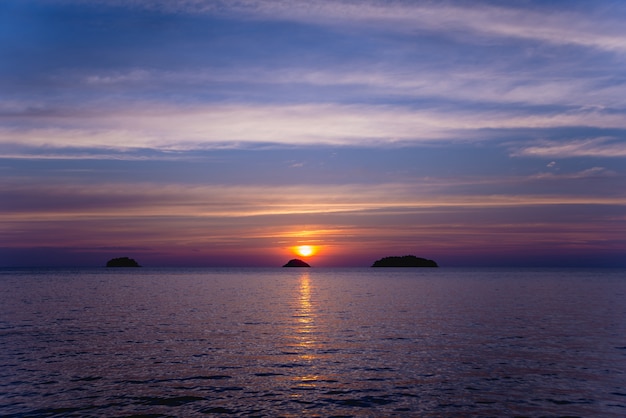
(226, 133)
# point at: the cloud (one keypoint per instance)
(592, 147)
(480, 85)
(124, 77)
(178, 128)
(196, 104)
(152, 201)
(594, 172)
(600, 29)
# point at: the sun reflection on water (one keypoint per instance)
(305, 336)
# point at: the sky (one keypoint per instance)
(226, 133)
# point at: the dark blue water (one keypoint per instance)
(313, 342)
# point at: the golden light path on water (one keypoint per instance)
(306, 330)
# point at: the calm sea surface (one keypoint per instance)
(313, 342)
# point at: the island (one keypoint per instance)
(296, 263)
(122, 262)
(404, 261)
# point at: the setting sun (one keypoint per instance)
(305, 250)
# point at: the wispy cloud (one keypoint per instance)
(193, 201)
(484, 85)
(594, 172)
(167, 127)
(590, 147)
(602, 30)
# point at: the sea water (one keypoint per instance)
(313, 342)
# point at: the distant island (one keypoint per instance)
(404, 261)
(296, 263)
(122, 262)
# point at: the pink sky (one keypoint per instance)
(225, 133)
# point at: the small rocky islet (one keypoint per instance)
(404, 261)
(296, 263)
(122, 262)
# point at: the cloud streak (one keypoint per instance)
(591, 147)
(574, 27)
(499, 86)
(180, 200)
(204, 127)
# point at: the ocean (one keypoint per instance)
(313, 342)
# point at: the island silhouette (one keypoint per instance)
(404, 261)
(122, 262)
(296, 263)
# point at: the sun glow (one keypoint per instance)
(305, 250)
